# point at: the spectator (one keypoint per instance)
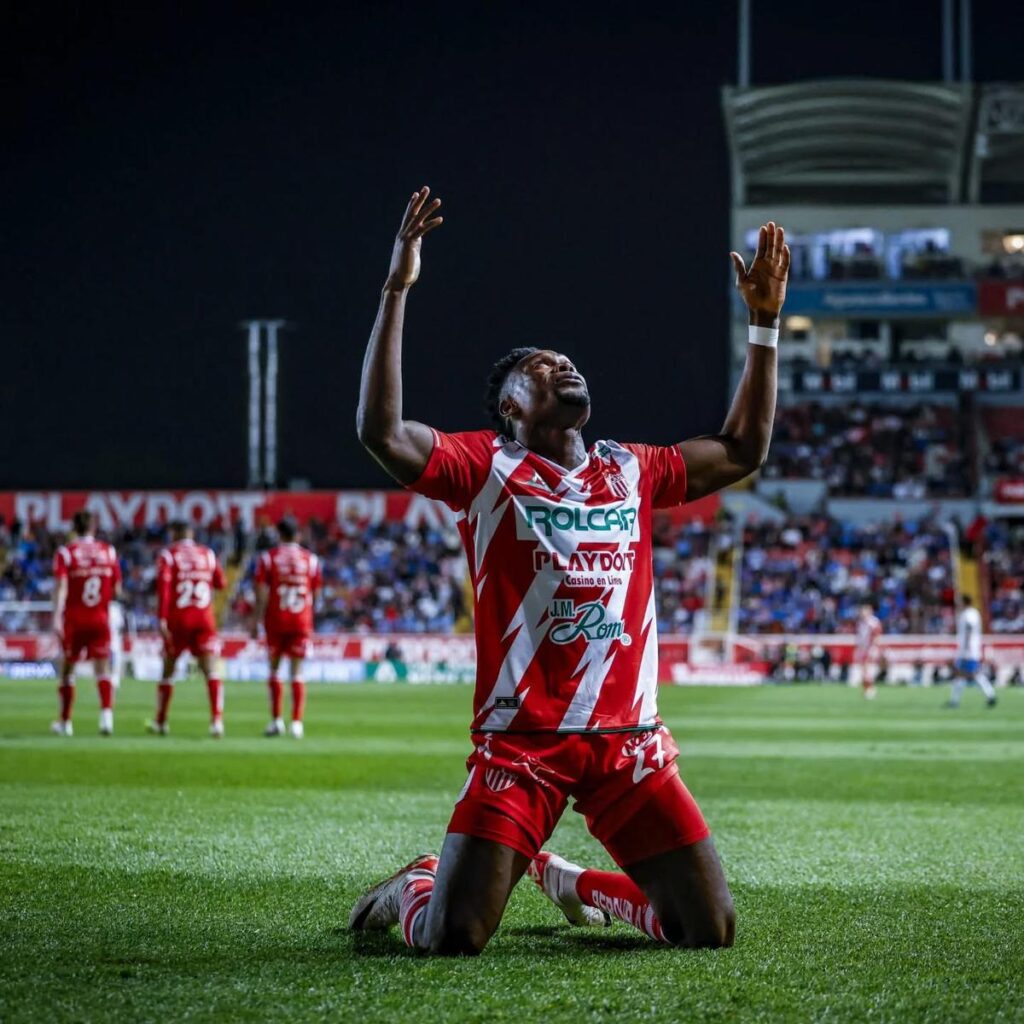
(870, 450)
(815, 584)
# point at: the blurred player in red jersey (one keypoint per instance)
(88, 578)
(187, 575)
(287, 579)
(869, 629)
(559, 539)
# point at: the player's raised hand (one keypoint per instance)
(763, 285)
(417, 221)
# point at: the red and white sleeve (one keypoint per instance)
(457, 467)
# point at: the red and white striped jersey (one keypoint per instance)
(292, 576)
(869, 629)
(93, 573)
(187, 575)
(561, 564)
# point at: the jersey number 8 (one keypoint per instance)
(92, 591)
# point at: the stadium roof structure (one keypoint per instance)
(873, 140)
(997, 168)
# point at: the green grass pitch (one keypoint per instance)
(875, 853)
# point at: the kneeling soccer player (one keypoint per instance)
(558, 538)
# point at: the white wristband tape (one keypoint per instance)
(766, 336)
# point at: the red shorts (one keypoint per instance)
(87, 639)
(288, 644)
(197, 640)
(626, 785)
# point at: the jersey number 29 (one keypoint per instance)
(193, 594)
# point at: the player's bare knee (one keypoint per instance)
(714, 929)
(455, 938)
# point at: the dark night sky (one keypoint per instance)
(167, 174)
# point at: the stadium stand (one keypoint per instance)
(806, 574)
(1003, 562)
(1004, 427)
(382, 578)
(810, 575)
(683, 566)
(872, 450)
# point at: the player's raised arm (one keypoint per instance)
(401, 446)
(741, 446)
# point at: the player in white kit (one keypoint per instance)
(968, 654)
(117, 624)
(869, 629)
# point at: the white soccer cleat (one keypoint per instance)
(217, 729)
(378, 907)
(276, 728)
(556, 878)
(158, 728)
(106, 722)
(298, 730)
(870, 693)
(61, 728)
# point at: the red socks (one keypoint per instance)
(106, 691)
(215, 689)
(164, 692)
(416, 890)
(621, 897)
(276, 697)
(298, 699)
(66, 693)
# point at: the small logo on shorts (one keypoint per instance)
(636, 742)
(507, 703)
(498, 780)
(647, 748)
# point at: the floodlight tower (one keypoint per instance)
(262, 416)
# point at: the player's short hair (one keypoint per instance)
(868, 602)
(287, 530)
(179, 528)
(967, 599)
(496, 383)
(84, 522)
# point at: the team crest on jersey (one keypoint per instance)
(498, 780)
(589, 620)
(617, 483)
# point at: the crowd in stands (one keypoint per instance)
(1008, 266)
(811, 574)
(1006, 457)
(1004, 565)
(929, 262)
(807, 574)
(377, 578)
(683, 565)
(871, 450)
